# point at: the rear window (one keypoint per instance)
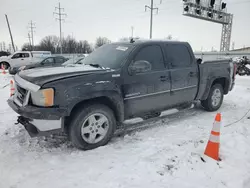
(178, 55)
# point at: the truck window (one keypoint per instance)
(178, 55)
(17, 55)
(24, 55)
(49, 60)
(59, 60)
(153, 55)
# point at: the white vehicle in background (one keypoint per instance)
(21, 58)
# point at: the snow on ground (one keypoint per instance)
(161, 153)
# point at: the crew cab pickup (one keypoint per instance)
(118, 81)
(21, 58)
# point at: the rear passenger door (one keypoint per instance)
(146, 91)
(184, 73)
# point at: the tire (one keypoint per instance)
(5, 64)
(211, 104)
(83, 118)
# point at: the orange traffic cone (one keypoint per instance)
(12, 88)
(213, 145)
(3, 68)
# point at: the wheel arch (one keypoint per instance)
(112, 100)
(223, 81)
(5, 63)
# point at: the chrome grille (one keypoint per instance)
(20, 95)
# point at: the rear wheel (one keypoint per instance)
(214, 99)
(92, 126)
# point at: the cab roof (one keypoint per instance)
(149, 41)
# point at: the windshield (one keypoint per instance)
(109, 55)
(72, 61)
(80, 61)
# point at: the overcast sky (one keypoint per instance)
(88, 19)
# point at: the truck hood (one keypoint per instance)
(5, 58)
(41, 76)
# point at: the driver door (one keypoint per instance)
(147, 91)
(16, 60)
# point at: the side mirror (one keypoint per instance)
(140, 66)
(199, 61)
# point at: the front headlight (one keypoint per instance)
(44, 97)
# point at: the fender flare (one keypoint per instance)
(113, 96)
(210, 83)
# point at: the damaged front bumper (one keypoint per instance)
(39, 121)
(36, 127)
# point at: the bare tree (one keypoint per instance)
(26, 47)
(101, 41)
(84, 47)
(49, 43)
(71, 45)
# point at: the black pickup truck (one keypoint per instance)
(118, 81)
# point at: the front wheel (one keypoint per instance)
(214, 99)
(5, 65)
(92, 126)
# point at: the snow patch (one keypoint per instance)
(163, 152)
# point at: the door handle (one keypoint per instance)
(21, 59)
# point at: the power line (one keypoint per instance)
(60, 14)
(151, 8)
(238, 119)
(31, 27)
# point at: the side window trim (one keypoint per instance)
(190, 54)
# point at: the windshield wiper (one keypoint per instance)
(96, 65)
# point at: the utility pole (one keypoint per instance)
(30, 41)
(10, 33)
(60, 14)
(10, 48)
(132, 32)
(4, 46)
(31, 26)
(233, 44)
(152, 8)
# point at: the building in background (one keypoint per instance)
(245, 49)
